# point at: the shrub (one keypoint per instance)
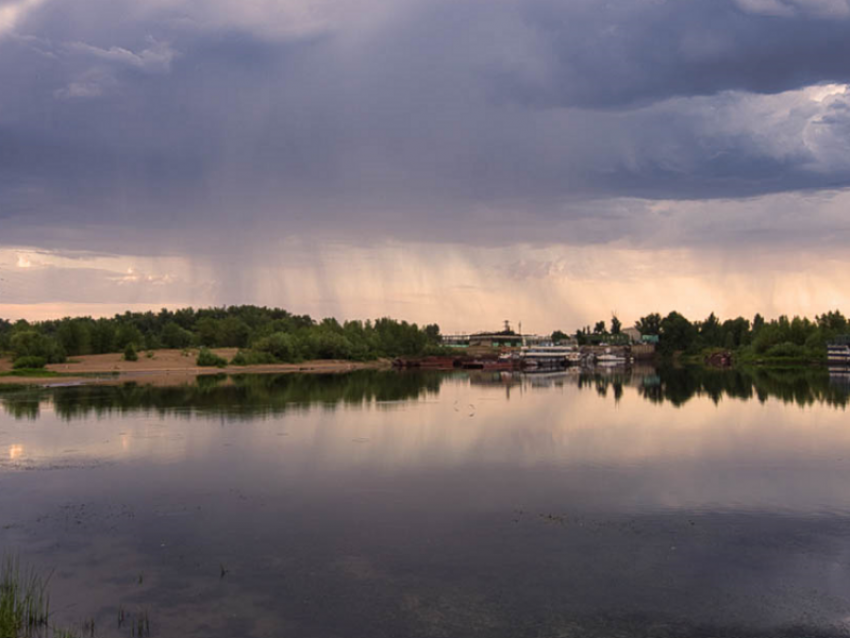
(30, 343)
(208, 358)
(130, 353)
(29, 362)
(252, 358)
(281, 346)
(788, 349)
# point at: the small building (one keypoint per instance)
(632, 333)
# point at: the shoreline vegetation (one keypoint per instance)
(797, 341)
(235, 339)
(189, 341)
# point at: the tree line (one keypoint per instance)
(263, 335)
(781, 338)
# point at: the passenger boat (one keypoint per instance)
(838, 354)
(545, 357)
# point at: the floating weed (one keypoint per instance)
(137, 625)
(140, 625)
(24, 601)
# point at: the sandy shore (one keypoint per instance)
(167, 367)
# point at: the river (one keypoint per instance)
(668, 502)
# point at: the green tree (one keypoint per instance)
(677, 333)
(649, 325)
(281, 346)
(616, 325)
(432, 332)
(207, 331)
(127, 333)
(833, 321)
(173, 336)
(710, 332)
(30, 343)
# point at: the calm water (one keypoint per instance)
(659, 503)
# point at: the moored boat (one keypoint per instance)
(545, 357)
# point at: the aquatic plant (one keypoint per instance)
(24, 601)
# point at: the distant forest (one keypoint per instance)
(780, 339)
(271, 335)
(263, 335)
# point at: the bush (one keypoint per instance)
(130, 353)
(30, 343)
(252, 358)
(29, 362)
(208, 358)
(281, 346)
(789, 350)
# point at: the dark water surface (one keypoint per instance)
(372, 504)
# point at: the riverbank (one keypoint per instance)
(164, 367)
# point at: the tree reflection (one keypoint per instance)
(250, 396)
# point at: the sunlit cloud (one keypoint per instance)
(11, 13)
(460, 287)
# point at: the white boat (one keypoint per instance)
(545, 357)
(838, 354)
(611, 360)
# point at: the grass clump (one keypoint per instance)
(207, 358)
(29, 363)
(24, 601)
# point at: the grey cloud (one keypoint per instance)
(494, 122)
(787, 8)
(154, 59)
(621, 53)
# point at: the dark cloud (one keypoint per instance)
(438, 120)
(613, 54)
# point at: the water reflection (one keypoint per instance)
(255, 395)
(676, 385)
(245, 395)
(650, 503)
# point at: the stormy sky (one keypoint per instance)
(458, 161)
